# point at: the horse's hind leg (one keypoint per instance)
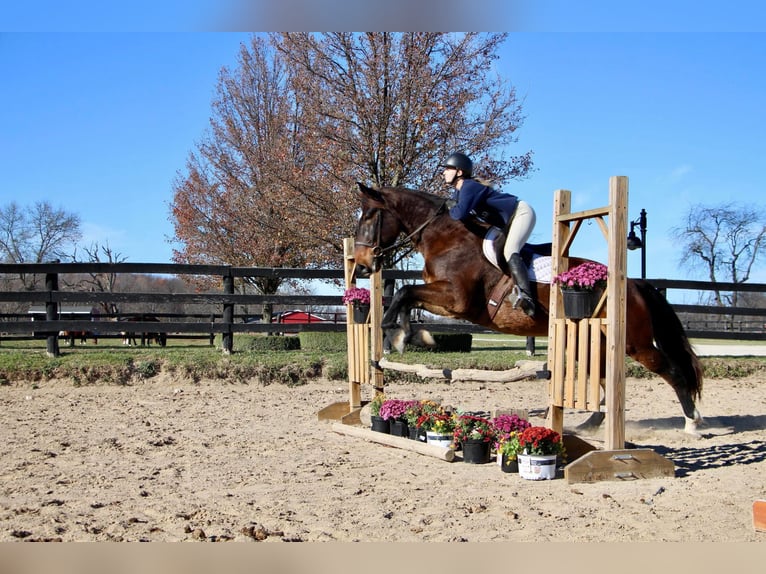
(657, 362)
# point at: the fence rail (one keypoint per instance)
(719, 322)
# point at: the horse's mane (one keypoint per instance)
(434, 203)
(430, 198)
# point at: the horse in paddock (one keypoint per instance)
(71, 336)
(459, 281)
(129, 337)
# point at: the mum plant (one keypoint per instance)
(507, 424)
(470, 427)
(440, 423)
(541, 441)
(419, 408)
(356, 296)
(588, 276)
(393, 409)
(376, 403)
(510, 446)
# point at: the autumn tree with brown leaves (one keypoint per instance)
(307, 115)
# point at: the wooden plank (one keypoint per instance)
(630, 464)
(558, 365)
(440, 452)
(593, 402)
(586, 214)
(759, 515)
(571, 363)
(523, 370)
(583, 368)
(335, 411)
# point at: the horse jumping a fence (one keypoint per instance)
(459, 282)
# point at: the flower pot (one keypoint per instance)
(415, 433)
(439, 439)
(507, 465)
(400, 428)
(379, 424)
(361, 313)
(537, 467)
(476, 451)
(579, 304)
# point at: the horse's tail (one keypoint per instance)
(670, 337)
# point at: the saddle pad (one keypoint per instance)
(539, 270)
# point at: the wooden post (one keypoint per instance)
(356, 347)
(615, 312)
(574, 349)
(227, 337)
(51, 314)
(559, 262)
(376, 332)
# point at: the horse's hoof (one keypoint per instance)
(691, 427)
(397, 341)
(423, 338)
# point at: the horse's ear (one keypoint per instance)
(369, 193)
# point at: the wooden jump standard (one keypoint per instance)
(575, 347)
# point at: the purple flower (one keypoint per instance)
(358, 295)
(395, 408)
(584, 277)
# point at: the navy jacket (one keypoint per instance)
(480, 200)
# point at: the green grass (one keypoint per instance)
(110, 362)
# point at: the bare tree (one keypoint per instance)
(97, 282)
(725, 242)
(36, 234)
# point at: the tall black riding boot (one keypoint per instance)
(521, 294)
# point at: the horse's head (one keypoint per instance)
(376, 230)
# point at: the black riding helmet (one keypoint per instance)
(460, 161)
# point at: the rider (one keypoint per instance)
(515, 216)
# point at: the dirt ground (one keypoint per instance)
(169, 460)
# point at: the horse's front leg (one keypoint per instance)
(396, 321)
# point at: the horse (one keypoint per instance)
(459, 281)
(70, 336)
(129, 337)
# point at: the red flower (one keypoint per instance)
(541, 441)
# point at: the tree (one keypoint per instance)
(725, 241)
(230, 208)
(36, 234)
(98, 282)
(387, 108)
(300, 121)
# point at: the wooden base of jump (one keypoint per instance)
(523, 370)
(440, 452)
(759, 515)
(629, 464)
(341, 411)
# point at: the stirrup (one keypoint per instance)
(520, 299)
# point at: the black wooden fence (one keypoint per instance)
(719, 322)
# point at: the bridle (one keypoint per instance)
(378, 251)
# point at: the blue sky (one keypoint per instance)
(101, 122)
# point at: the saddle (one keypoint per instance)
(536, 257)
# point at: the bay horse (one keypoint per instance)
(459, 281)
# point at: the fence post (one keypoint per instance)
(51, 314)
(227, 337)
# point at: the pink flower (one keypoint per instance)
(584, 277)
(358, 295)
